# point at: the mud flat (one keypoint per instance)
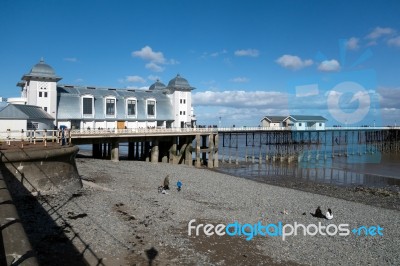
(119, 218)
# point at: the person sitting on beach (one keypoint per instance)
(318, 213)
(329, 214)
(166, 182)
(179, 185)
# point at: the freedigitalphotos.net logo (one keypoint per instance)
(249, 231)
(343, 93)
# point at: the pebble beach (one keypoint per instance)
(120, 218)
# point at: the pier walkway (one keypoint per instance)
(200, 146)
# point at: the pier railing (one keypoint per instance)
(59, 135)
(82, 132)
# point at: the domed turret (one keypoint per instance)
(158, 85)
(41, 70)
(179, 83)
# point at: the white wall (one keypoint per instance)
(182, 107)
(50, 102)
(16, 126)
(13, 125)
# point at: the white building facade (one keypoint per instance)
(107, 108)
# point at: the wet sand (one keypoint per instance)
(385, 196)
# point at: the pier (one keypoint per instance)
(208, 146)
(283, 145)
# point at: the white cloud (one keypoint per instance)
(154, 67)
(146, 53)
(240, 99)
(379, 32)
(394, 41)
(155, 59)
(71, 59)
(240, 80)
(329, 66)
(293, 62)
(135, 79)
(248, 52)
(215, 54)
(389, 98)
(352, 43)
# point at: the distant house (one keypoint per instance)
(295, 122)
(16, 117)
(272, 121)
(305, 122)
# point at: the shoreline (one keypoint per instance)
(386, 197)
(119, 218)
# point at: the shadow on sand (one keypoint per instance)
(48, 239)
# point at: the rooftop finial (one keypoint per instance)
(42, 60)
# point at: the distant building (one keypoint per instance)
(82, 107)
(273, 121)
(23, 117)
(295, 122)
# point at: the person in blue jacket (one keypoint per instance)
(179, 185)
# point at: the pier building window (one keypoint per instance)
(32, 126)
(131, 107)
(110, 106)
(151, 108)
(40, 94)
(87, 106)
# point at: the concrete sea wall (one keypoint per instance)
(25, 170)
(43, 169)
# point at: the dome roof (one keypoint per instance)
(158, 85)
(178, 82)
(42, 70)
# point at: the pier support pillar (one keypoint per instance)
(115, 151)
(104, 150)
(204, 155)
(154, 151)
(198, 164)
(137, 151)
(146, 153)
(172, 151)
(216, 143)
(109, 150)
(188, 151)
(210, 163)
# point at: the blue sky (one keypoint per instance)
(246, 59)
